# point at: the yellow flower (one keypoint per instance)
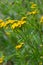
(41, 19)
(2, 24)
(1, 59)
(21, 23)
(23, 18)
(35, 12)
(1, 20)
(18, 24)
(18, 46)
(14, 25)
(32, 12)
(9, 22)
(33, 6)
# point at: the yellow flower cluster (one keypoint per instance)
(18, 24)
(19, 46)
(32, 12)
(1, 59)
(10, 22)
(2, 23)
(1, 20)
(35, 11)
(41, 19)
(14, 23)
(33, 5)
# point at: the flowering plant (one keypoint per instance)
(21, 32)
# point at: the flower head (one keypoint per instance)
(1, 20)
(1, 60)
(32, 12)
(41, 19)
(18, 46)
(2, 24)
(33, 6)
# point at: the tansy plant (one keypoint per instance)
(21, 32)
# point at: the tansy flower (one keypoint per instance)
(41, 19)
(32, 12)
(9, 22)
(18, 24)
(18, 46)
(33, 6)
(14, 25)
(1, 20)
(2, 24)
(1, 59)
